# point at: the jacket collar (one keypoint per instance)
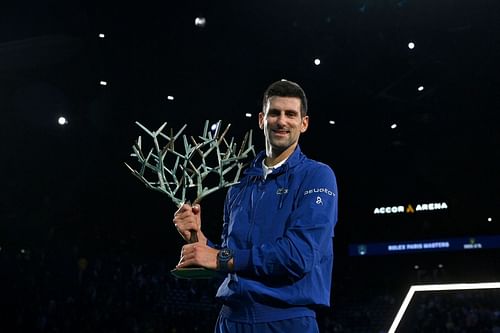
(256, 167)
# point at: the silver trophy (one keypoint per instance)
(181, 166)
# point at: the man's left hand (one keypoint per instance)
(198, 254)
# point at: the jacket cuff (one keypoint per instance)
(241, 260)
(212, 245)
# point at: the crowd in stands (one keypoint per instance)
(59, 288)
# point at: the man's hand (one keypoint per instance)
(187, 220)
(198, 254)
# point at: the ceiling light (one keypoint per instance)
(200, 22)
(62, 121)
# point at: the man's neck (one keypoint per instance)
(274, 157)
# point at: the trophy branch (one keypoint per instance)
(178, 165)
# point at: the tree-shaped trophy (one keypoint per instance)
(192, 167)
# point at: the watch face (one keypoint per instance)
(225, 254)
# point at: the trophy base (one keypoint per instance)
(193, 273)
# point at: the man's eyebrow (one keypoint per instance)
(286, 110)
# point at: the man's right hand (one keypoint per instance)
(187, 220)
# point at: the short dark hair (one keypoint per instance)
(286, 88)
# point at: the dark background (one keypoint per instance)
(445, 148)
(68, 184)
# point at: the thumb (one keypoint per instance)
(196, 209)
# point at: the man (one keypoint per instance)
(278, 226)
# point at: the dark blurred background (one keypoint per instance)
(404, 99)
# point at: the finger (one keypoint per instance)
(196, 209)
(186, 260)
(183, 208)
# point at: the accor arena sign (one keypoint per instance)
(411, 208)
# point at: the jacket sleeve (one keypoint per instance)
(307, 240)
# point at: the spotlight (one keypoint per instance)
(317, 62)
(103, 83)
(248, 115)
(490, 219)
(411, 45)
(170, 98)
(62, 121)
(200, 22)
(420, 88)
(102, 35)
(214, 127)
(393, 126)
(332, 122)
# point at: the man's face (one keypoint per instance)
(282, 123)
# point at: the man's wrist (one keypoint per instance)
(225, 260)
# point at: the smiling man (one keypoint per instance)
(276, 249)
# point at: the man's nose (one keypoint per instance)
(281, 119)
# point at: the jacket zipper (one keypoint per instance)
(253, 206)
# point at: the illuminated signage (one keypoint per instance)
(418, 246)
(410, 209)
(474, 243)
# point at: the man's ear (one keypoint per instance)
(261, 120)
(305, 124)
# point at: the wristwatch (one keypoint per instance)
(223, 258)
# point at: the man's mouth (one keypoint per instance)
(280, 132)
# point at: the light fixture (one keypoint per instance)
(393, 126)
(62, 121)
(103, 83)
(411, 45)
(170, 98)
(332, 122)
(200, 22)
(420, 88)
(102, 35)
(248, 115)
(317, 61)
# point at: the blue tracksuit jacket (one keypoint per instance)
(280, 229)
